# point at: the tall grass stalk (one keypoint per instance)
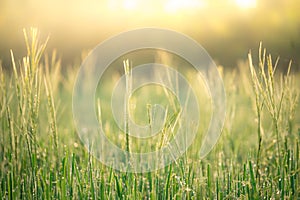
(267, 94)
(128, 76)
(273, 96)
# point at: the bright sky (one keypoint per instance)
(172, 6)
(177, 5)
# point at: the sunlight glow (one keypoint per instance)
(246, 3)
(130, 4)
(175, 5)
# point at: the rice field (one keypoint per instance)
(42, 156)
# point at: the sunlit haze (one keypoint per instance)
(79, 25)
(246, 3)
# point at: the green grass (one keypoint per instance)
(42, 157)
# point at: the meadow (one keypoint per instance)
(42, 157)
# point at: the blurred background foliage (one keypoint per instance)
(227, 29)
